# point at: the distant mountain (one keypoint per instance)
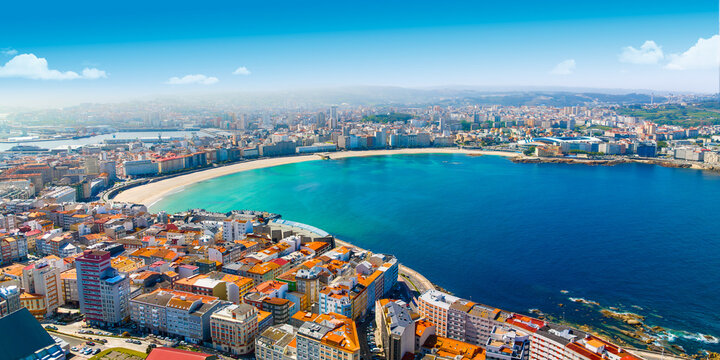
(557, 99)
(382, 95)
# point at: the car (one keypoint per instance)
(90, 343)
(73, 348)
(129, 341)
(96, 351)
(375, 350)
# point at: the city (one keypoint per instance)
(402, 180)
(94, 270)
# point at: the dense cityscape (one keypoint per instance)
(377, 180)
(101, 274)
(598, 134)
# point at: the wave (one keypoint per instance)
(584, 301)
(672, 335)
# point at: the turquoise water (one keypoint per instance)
(640, 238)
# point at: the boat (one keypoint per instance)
(27, 149)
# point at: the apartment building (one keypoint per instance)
(43, 278)
(328, 337)
(397, 328)
(233, 329)
(176, 313)
(276, 343)
(103, 293)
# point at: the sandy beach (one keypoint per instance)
(150, 193)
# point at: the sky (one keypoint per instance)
(61, 53)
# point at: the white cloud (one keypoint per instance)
(93, 73)
(565, 67)
(193, 79)
(9, 52)
(649, 53)
(241, 71)
(705, 54)
(29, 66)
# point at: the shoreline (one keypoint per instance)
(668, 163)
(413, 279)
(153, 192)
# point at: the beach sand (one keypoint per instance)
(150, 193)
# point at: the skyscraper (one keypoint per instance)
(333, 117)
(103, 293)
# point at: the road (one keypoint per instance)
(417, 282)
(71, 334)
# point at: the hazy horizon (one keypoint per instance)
(99, 53)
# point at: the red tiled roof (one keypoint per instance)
(163, 353)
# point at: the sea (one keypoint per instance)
(99, 139)
(522, 237)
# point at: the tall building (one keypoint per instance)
(397, 328)
(320, 117)
(333, 117)
(328, 337)
(233, 329)
(336, 299)
(91, 164)
(435, 305)
(43, 278)
(460, 319)
(102, 291)
(308, 283)
(235, 229)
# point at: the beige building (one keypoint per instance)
(233, 329)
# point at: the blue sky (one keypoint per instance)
(95, 51)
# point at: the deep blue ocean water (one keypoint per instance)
(640, 238)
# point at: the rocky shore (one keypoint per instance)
(605, 162)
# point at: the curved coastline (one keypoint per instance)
(151, 193)
(414, 279)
